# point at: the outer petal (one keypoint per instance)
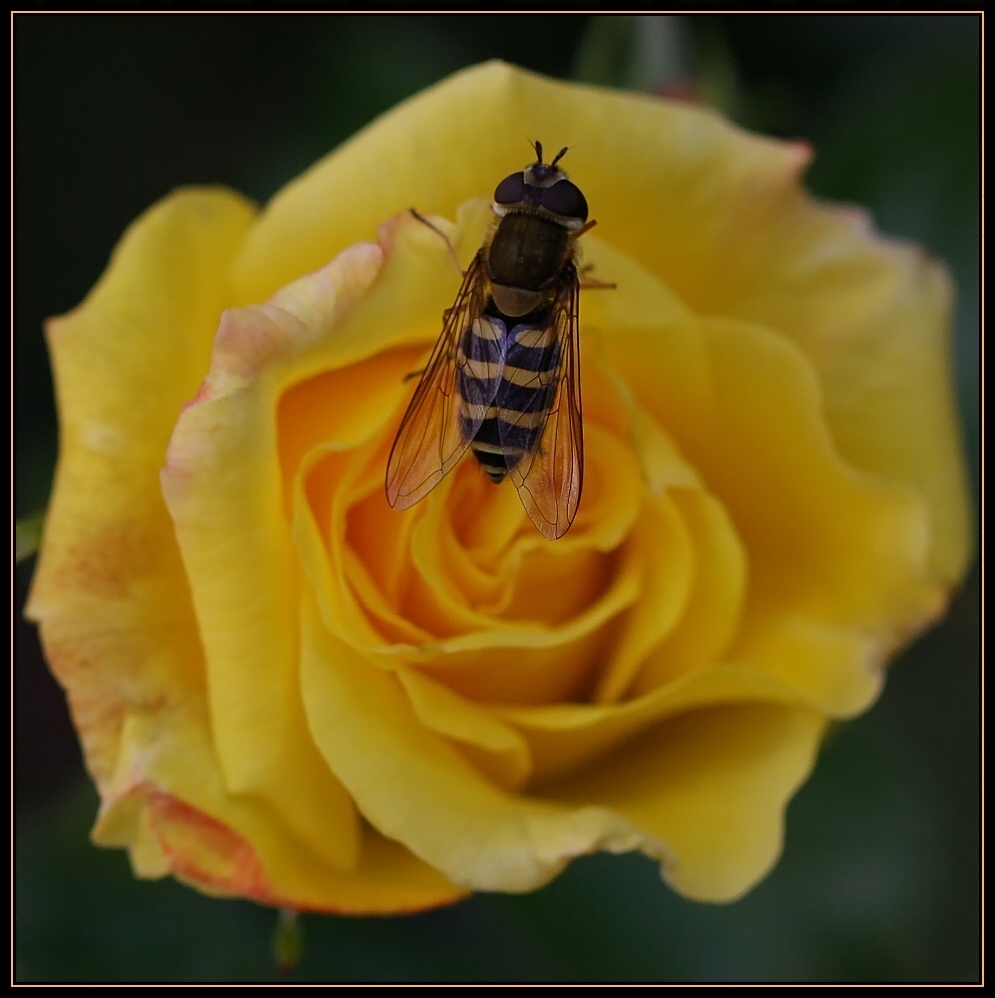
(873, 316)
(109, 592)
(169, 803)
(223, 486)
(823, 540)
(712, 785)
(838, 572)
(457, 140)
(704, 793)
(256, 416)
(112, 600)
(223, 481)
(827, 544)
(447, 813)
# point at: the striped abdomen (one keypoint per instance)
(507, 380)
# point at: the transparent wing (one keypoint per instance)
(550, 476)
(431, 440)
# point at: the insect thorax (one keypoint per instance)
(527, 251)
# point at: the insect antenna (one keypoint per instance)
(559, 156)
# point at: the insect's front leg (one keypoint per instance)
(592, 283)
(444, 238)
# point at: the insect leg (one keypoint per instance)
(592, 283)
(442, 236)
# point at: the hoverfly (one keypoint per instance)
(504, 377)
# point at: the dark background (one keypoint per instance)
(880, 878)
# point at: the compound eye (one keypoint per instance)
(511, 190)
(565, 199)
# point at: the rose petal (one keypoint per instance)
(837, 571)
(168, 802)
(449, 814)
(223, 487)
(663, 545)
(523, 573)
(563, 737)
(109, 592)
(113, 603)
(521, 661)
(712, 785)
(873, 316)
(715, 604)
(824, 540)
(843, 550)
(491, 744)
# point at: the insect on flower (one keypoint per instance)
(504, 377)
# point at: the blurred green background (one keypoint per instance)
(880, 878)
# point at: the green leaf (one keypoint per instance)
(27, 535)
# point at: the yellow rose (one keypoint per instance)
(288, 691)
